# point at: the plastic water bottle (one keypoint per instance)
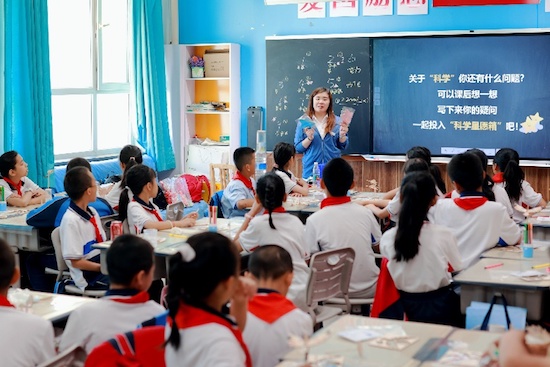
(261, 157)
(316, 174)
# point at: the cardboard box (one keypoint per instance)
(216, 63)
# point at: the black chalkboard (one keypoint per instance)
(295, 67)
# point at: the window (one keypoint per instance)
(89, 63)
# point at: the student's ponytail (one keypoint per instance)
(271, 192)
(425, 154)
(488, 183)
(507, 160)
(417, 192)
(135, 177)
(196, 271)
(282, 154)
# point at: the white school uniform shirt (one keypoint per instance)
(77, 237)
(233, 193)
(475, 230)
(347, 225)
(394, 206)
(206, 345)
(268, 341)
(25, 339)
(501, 196)
(290, 182)
(28, 185)
(113, 196)
(288, 235)
(428, 270)
(528, 196)
(138, 215)
(93, 323)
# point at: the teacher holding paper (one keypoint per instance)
(320, 134)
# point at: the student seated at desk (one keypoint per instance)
(136, 202)
(477, 223)
(25, 339)
(239, 193)
(509, 175)
(283, 156)
(80, 228)
(204, 276)
(19, 190)
(419, 254)
(276, 226)
(490, 190)
(341, 223)
(46, 218)
(130, 263)
(272, 318)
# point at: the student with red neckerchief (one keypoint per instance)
(19, 190)
(341, 223)
(510, 176)
(80, 228)
(278, 227)
(204, 277)
(136, 202)
(272, 318)
(130, 263)
(239, 193)
(25, 339)
(477, 223)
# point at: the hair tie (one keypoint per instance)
(187, 252)
(275, 165)
(132, 159)
(130, 193)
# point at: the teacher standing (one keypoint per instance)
(327, 138)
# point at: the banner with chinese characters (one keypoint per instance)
(412, 7)
(344, 8)
(378, 7)
(311, 10)
(481, 2)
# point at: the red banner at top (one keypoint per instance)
(482, 2)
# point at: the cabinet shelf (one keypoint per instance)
(208, 112)
(201, 79)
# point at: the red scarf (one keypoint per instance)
(98, 236)
(246, 181)
(141, 297)
(5, 303)
(87, 215)
(470, 202)
(189, 316)
(15, 186)
(335, 200)
(498, 177)
(270, 307)
(151, 209)
(276, 210)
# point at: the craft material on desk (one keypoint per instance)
(541, 266)
(491, 266)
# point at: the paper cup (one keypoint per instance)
(346, 114)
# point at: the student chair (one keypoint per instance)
(224, 174)
(72, 356)
(106, 224)
(330, 274)
(63, 268)
(142, 347)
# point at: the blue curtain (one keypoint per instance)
(149, 78)
(27, 110)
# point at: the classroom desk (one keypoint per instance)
(479, 284)
(540, 252)
(362, 354)
(15, 230)
(169, 242)
(56, 307)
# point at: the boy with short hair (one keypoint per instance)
(19, 190)
(80, 228)
(130, 263)
(477, 223)
(272, 318)
(341, 223)
(239, 193)
(25, 339)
